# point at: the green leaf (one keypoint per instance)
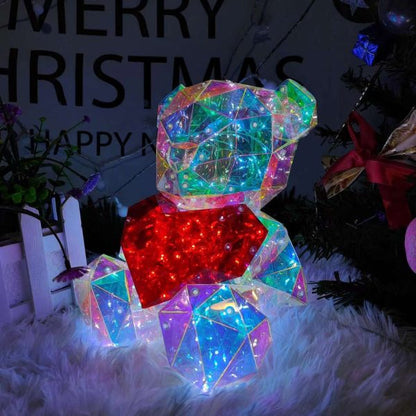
(34, 181)
(30, 195)
(17, 197)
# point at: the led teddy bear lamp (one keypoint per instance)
(223, 151)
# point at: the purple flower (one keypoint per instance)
(71, 274)
(91, 183)
(9, 113)
(88, 186)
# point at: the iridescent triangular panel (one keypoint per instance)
(114, 283)
(188, 360)
(260, 341)
(173, 325)
(241, 367)
(218, 344)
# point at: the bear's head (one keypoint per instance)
(222, 143)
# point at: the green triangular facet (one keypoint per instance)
(115, 284)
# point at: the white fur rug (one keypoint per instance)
(322, 362)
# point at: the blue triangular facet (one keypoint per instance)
(113, 311)
(251, 316)
(218, 345)
(242, 366)
(115, 284)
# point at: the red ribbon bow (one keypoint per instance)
(391, 177)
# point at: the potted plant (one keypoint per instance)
(51, 242)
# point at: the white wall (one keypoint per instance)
(324, 41)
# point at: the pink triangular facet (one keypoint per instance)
(200, 293)
(299, 290)
(179, 303)
(217, 88)
(178, 102)
(260, 339)
(173, 327)
(105, 266)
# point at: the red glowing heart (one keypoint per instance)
(166, 248)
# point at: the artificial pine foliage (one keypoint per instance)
(353, 222)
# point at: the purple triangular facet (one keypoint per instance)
(260, 339)
(241, 367)
(299, 290)
(179, 303)
(188, 359)
(97, 320)
(198, 294)
(105, 266)
(173, 325)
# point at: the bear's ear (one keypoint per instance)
(167, 100)
(297, 115)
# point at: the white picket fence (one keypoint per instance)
(27, 268)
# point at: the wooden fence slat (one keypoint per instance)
(73, 233)
(5, 314)
(36, 264)
(45, 294)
